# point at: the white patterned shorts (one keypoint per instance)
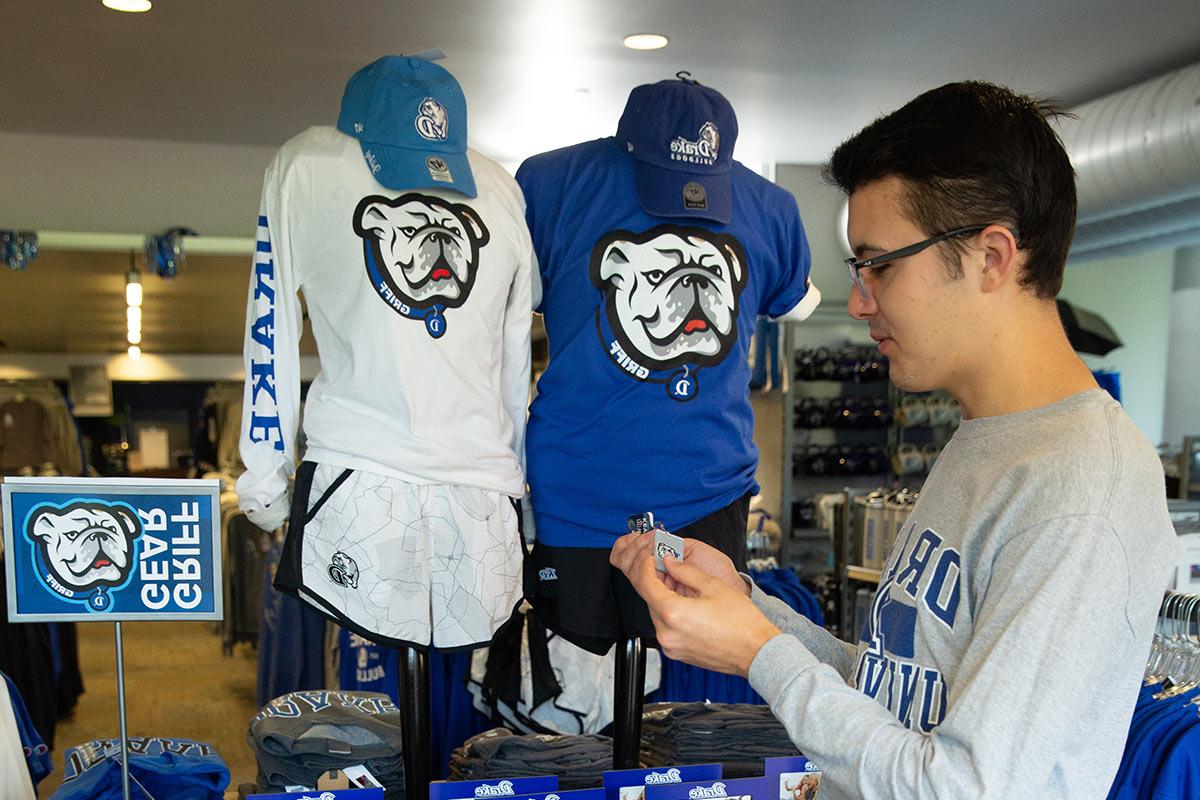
(402, 564)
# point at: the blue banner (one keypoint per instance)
(91, 550)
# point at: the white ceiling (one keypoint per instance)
(233, 79)
(546, 73)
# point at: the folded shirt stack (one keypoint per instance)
(158, 768)
(579, 761)
(738, 736)
(299, 736)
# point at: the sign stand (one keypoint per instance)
(121, 712)
(152, 549)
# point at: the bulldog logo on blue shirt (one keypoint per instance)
(84, 549)
(670, 302)
(421, 253)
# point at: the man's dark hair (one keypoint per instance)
(972, 153)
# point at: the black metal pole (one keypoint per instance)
(415, 724)
(628, 698)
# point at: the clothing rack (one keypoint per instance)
(43, 437)
(1162, 751)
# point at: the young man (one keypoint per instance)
(1012, 623)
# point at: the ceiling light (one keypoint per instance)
(133, 337)
(132, 6)
(133, 318)
(135, 352)
(133, 288)
(645, 41)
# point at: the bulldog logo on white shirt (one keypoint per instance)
(670, 294)
(421, 253)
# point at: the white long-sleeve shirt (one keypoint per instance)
(420, 305)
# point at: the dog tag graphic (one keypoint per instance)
(682, 386)
(99, 599)
(435, 323)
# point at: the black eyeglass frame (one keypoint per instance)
(855, 264)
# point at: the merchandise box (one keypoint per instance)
(732, 788)
(792, 778)
(630, 784)
(497, 788)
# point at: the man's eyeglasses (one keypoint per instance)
(855, 264)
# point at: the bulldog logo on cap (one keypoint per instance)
(431, 120)
(699, 151)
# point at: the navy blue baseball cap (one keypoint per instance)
(410, 117)
(680, 135)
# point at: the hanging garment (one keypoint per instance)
(430, 388)
(401, 563)
(645, 403)
(15, 776)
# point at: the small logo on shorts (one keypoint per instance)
(548, 574)
(343, 570)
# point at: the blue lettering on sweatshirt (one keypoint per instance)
(923, 579)
(265, 425)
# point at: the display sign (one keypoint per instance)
(732, 788)
(500, 788)
(793, 778)
(630, 784)
(327, 794)
(90, 392)
(111, 549)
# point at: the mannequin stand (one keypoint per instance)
(629, 687)
(415, 723)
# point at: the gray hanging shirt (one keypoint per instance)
(1011, 627)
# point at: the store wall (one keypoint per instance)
(71, 183)
(1181, 411)
(820, 210)
(1133, 294)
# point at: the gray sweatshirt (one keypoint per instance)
(1010, 630)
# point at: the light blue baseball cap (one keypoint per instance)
(410, 118)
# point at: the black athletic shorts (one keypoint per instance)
(581, 597)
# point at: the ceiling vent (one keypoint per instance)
(1136, 155)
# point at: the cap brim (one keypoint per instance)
(665, 192)
(400, 168)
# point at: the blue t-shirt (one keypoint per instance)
(180, 769)
(645, 403)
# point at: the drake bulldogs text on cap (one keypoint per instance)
(680, 135)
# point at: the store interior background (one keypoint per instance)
(118, 126)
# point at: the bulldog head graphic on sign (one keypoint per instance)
(85, 547)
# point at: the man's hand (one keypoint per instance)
(701, 611)
(703, 557)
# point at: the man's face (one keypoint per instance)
(920, 316)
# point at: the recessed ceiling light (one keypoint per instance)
(132, 6)
(646, 41)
